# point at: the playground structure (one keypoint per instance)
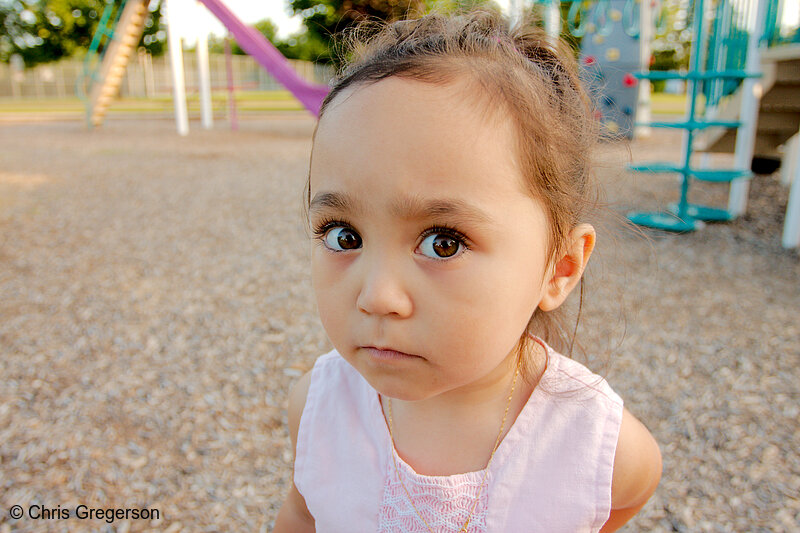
(118, 34)
(743, 68)
(746, 68)
(743, 89)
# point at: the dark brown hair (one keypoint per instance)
(519, 73)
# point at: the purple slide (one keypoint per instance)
(255, 44)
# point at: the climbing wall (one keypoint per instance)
(610, 56)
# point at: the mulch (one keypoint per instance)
(155, 307)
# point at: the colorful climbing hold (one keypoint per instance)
(589, 60)
(629, 81)
(612, 54)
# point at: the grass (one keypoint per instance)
(667, 104)
(252, 101)
(246, 102)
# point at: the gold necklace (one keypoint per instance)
(485, 473)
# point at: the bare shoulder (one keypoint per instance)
(637, 471)
(637, 464)
(297, 402)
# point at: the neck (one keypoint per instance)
(459, 431)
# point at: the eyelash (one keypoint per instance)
(324, 225)
(450, 232)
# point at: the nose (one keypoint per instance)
(383, 291)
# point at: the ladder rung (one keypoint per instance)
(720, 175)
(702, 174)
(708, 75)
(693, 125)
(656, 168)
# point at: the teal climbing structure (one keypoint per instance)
(684, 216)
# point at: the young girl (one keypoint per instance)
(448, 183)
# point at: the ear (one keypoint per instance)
(566, 270)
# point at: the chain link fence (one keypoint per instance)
(148, 76)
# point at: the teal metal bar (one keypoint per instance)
(717, 67)
(707, 75)
(695, 124)
(680, 218)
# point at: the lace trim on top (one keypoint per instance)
(444, 501)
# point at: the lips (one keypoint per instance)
(388, 353)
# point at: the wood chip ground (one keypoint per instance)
(155, 307)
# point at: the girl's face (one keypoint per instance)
(430, 257)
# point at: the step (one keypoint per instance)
(665, 221)
(782, 97)
(693, 125)
(708, 75)
(720, 175)
(117, 70)
(779, 108)
(703, 174)
(104, 100)
(788, 72)
(703, 212)
(108, 91)
(129, 39)
(778, 121)
(657, 167)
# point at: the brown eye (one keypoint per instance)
(440, 246)
(340, 239)
(444, 246)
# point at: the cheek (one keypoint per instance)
(486, 306)
(330, 292)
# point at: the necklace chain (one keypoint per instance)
(485, 473)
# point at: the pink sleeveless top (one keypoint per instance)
(551, 473)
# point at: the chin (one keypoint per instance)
(398, 388)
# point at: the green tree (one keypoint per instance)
(325, 18)
(673, 43)
(47, 30)
(304, 45)
(459, 6)
(266, 27)
(154, 37)
(300, 45)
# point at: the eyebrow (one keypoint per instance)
(406, 207)
(332, 201)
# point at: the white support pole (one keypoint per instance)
(791, 225)
(552, 19)
(149, 75)
(205, 81)
(646, 31)
(791, 159)
(748, 114)
(178, 80)
(514, 11)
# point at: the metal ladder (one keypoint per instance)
(117, 35)
(684, 216)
